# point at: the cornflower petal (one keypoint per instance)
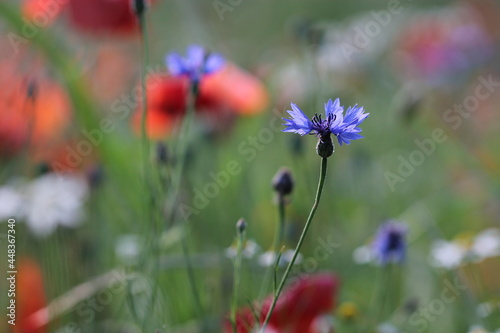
(175, 64)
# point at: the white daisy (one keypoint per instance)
(486, 244)
(127, 248)
(250, 249)
(363, 255)
(11, 201)
(269, 258)
(477, 329)
(51, 200)
(387, 328)
(447, 255)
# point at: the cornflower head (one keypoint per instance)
(345, 128)
(389, 244)
(197, 63)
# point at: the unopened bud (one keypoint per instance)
(283, 182)
(325, 146)
(241, 226)
(95, 176)
(162, 154)
(139, 7)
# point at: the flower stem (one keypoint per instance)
(277, 294)
(237, 277)
(277, 243)
(144, 135)
(182, 150)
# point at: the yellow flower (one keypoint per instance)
(348, 310)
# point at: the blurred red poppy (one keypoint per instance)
(30, 297)
(93, 16)
(298, 309)
(33, 111)
(42, 12)
(224, 94)
(115, 16)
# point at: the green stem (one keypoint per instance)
(322, 178)
(277, 243)
(190, 272)
(280, 232)
(144, 135)
(182, 148)
(237, 277)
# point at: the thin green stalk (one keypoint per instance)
(144, 136)
(191, 275)
(277, 243)
(181, 151)
(149, 203)
(322, 178)
(237, 277)
(182, 148)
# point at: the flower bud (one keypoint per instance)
(283, 182)
(162, 153)
(325, 146)
(139, 7)
(241, 226)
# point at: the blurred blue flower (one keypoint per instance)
(345, 128)
(197, 63)
(390, 243)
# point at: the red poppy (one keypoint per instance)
(42, 12)
(30, 297)
(115, 16)
(33, 112)
(223, 94)
(93, 16)
(298, 310)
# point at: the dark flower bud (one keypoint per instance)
(42, 168)
(139, 7)
(283, 182)
(411, 305)
(162, 153)
(95, 176)
(325, 146)
(241, 226)
(32, 90)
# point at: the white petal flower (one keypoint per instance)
(363, 255)
(10, 202)
(486, 244)
(447, 254)
(251, 249)
(53, 200)
(269, 258)
(387, 328)
(127, 248)
(477, 329)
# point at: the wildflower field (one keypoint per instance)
(236, 166)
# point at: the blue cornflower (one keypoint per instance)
(390, 243)
(345, 128)
(197, 63)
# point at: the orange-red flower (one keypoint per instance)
(93, 16)
(224, 94)
(297, 310)
(34, 111)
(30, 297)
